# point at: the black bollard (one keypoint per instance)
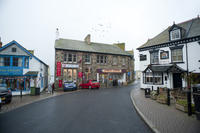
(189, 103)
(168, 97)
(158, 90)
(152, 88)
(21, 92)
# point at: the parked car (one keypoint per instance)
(69, 85)
(5, 94)
(91, 84)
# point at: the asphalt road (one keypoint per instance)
(88, 111)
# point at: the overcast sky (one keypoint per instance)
(33, 23)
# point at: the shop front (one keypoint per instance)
(70, 72)
(111, 77)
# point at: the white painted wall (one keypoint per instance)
(193, 63)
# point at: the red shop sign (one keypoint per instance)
(58, 71)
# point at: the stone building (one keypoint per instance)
(83, 60)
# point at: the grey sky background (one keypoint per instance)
(33, 23)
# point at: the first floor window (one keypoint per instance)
(154, 57)
(114, 60)
(69, 58)
(6, 61)
(25, 62)
(98, 59)
(87, 59)
(177, 55)
(123, 61)
(15, 61)
(101, 60)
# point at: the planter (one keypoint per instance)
(182, 106)
(163, 101)
(162, 98)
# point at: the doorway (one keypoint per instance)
(177, 80)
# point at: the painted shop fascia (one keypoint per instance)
(80, 61)
(20, 69)
(164, 64)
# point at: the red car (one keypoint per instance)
(90, 84)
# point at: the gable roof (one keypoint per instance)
(21, 47)
(191, 28)
(76, 45)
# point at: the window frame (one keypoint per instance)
(152, 57)
(177, 55)
(174, 33)
(87, 59)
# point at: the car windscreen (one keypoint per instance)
(3, 88)
(67, 82)
(94, 81)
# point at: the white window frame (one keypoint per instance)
(123, 61)
(87, 59)
(115, 61)
(154, 57)
(175, 34)
(176, 54)
(73, 58)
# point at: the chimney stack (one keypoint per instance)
(87, 39)
(0, 43)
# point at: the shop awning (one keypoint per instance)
(31, 73)
(165, 68)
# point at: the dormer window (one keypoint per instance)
(175, 34)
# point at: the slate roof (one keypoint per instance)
(164, 68)
(76, 45)
(191, 28)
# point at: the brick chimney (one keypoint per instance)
(87, 39)
(0, 43)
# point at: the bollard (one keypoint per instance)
(189, 103)
(168, 97)
(152, 88)
(158, 90)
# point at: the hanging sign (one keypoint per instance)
(58, 71)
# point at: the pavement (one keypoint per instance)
(18, 101)
(163, 118)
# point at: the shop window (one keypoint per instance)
(158, 78)
(177, 55)
(87, 59)
(154, 57)
(153, 78)
(6, 61)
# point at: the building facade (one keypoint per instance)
(83, 60)
(166, 59)
(20, 69)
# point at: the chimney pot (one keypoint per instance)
(87, 39)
